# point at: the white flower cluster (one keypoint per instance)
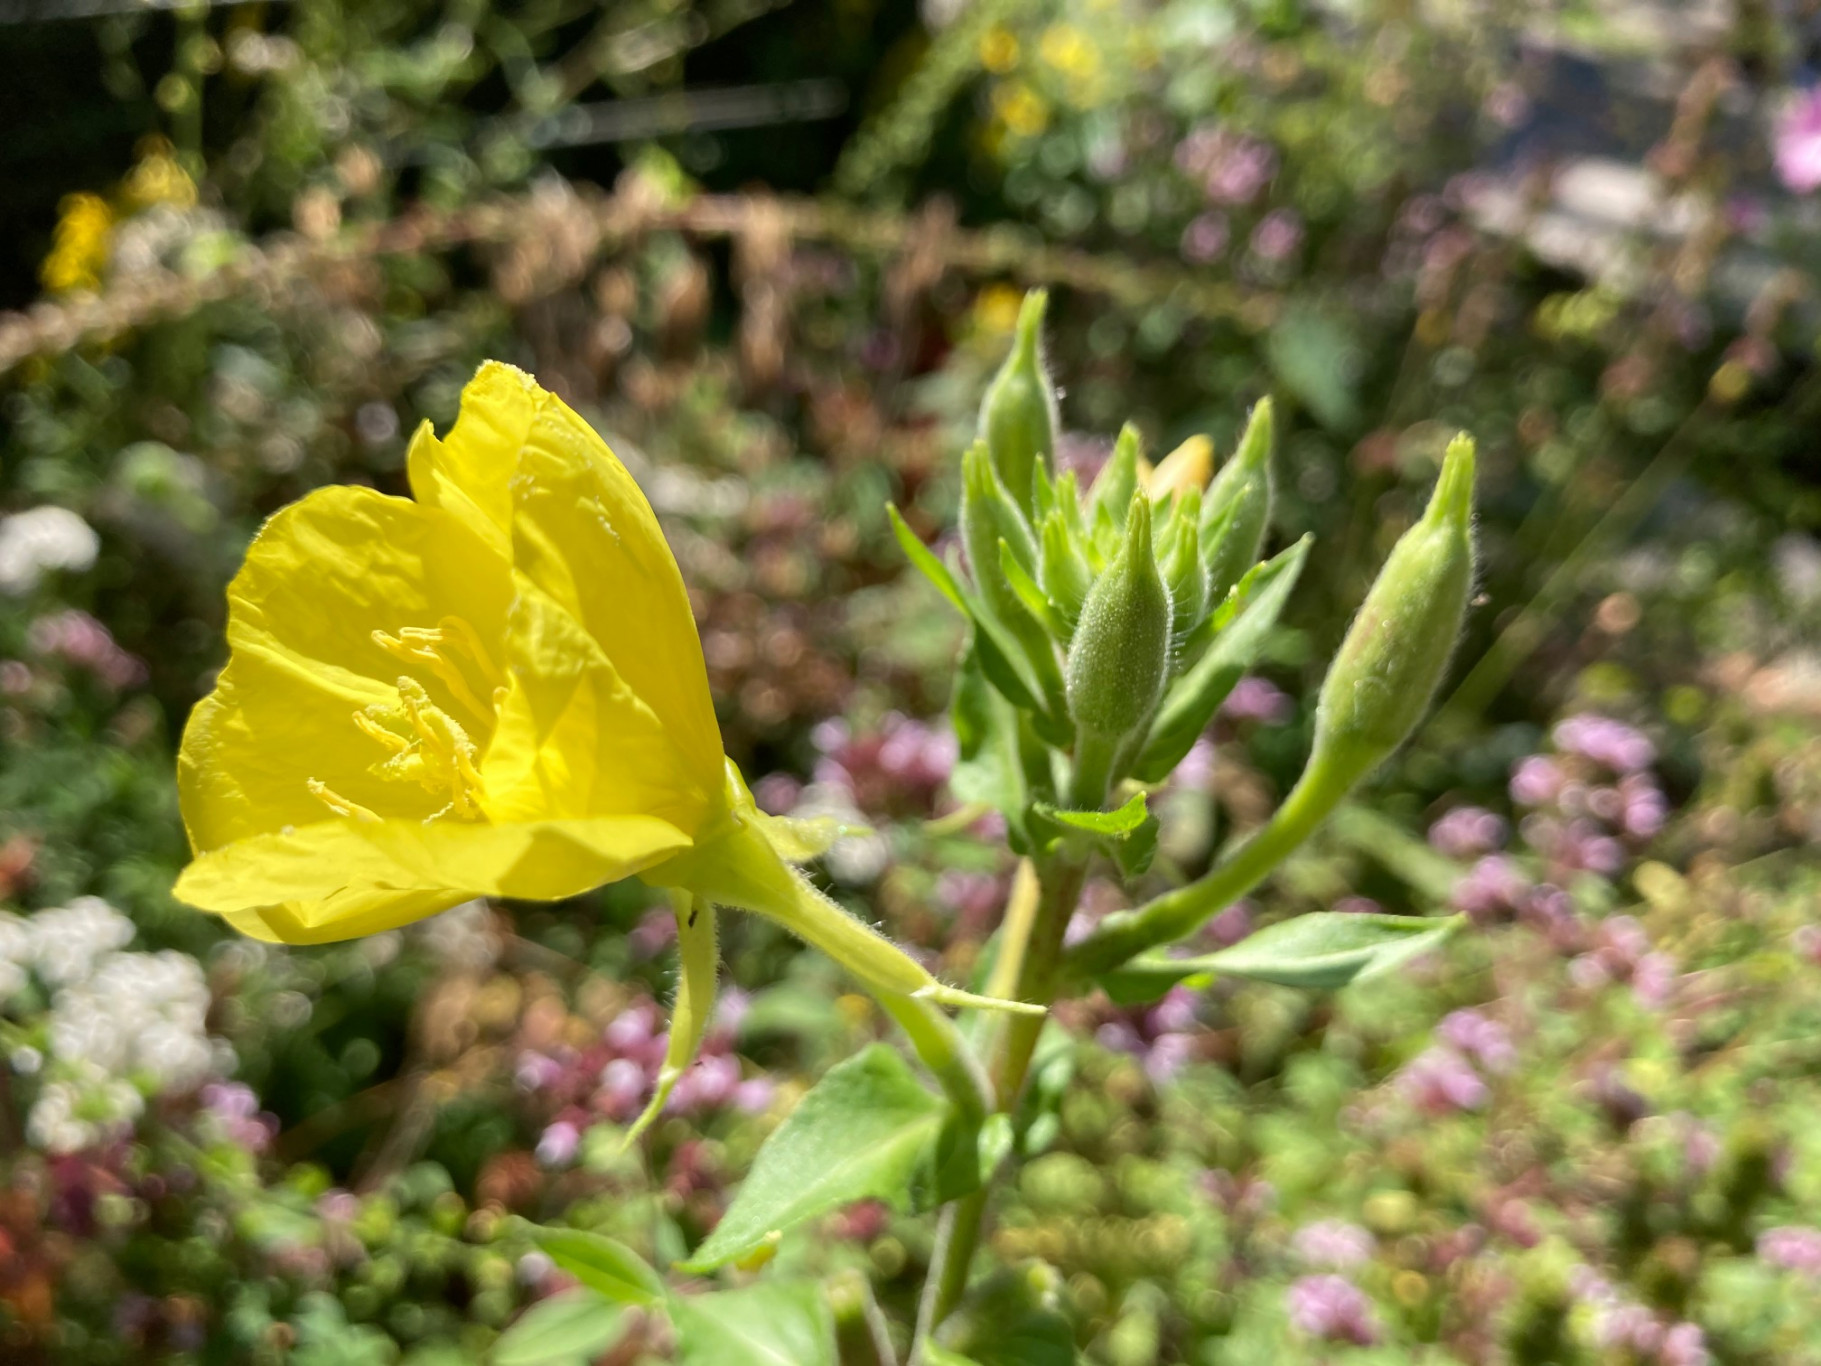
(41, 539)
(121, 1025)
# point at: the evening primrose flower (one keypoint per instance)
(493, 688)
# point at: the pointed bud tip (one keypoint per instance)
(1453, 496)
(1030, 320)
(1138, 526)
(1261, 429)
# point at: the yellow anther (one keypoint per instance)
(444, 755)
(339, 804)
(457, 632)
(371, 723)
(420, 645)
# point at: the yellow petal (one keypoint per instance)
(348, 915)
(331, 871)
(470, 472)
(319, 579)
(584, 534)
(573, 740)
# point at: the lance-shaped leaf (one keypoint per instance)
(1128, 834)
(1002, 659)
(1191, 702)
(866, 1131)
(571, 1329)
(605, 1266)
(989, 770)
(1324, 950)
(774, 1323)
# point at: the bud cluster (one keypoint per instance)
(1111, 622)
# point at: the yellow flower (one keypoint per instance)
(493, 688)
(80, 244)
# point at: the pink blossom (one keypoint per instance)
(1467, 831)
(1621, 748)
(1792, 1248)
(1332, 1308)
(1484, 1040)
(559, 1144)
(1278, 235)
(1257, 699)
(1439, 1081)
(1798, 143)
(1536, 780)
(1204, 239)
(1493, 887)
(1332, 1245)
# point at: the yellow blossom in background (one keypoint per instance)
(493, 688)
(1067, 48)
(998, 49)
(1020, 109)
(80, 245)
(157, 179)
(996, 310)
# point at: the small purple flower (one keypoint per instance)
(1358, 905)
(1257, 699)
(1484, 1040)
(1231, 925)
(777, 793)
(1619, 747)
(1653, 980)
(1684, 1345)
(1204, 239)
(1333, 1309)
(1332, 1245)
(1440, 1081)
(559, 1144)
(1798, 143)
(1467, 831)
(1536, 780)
(1643, 809)
(1196, 770)
(1792, 1248)
(1493, 887)
(1278, 235)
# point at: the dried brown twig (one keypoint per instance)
(268, 271)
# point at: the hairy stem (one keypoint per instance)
(959, 1229)
(1179, 913)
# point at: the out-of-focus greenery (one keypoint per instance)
(1350, 207)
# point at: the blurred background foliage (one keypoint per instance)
(774, 248)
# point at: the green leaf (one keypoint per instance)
(1191, 702)
(1324, 951)
(1113, 824)
(774, 1323)
(1128, 835)
(936, 1355)
(1001, 659)
(1035, 600)
(989, 769)
(570, 1329)
(867, 1131)
(605, 1266)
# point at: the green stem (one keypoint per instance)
(959, 1230)
(1179, 913)
(941, 1048)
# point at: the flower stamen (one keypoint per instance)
(339, 804)
(425, 645)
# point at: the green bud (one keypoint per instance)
(1120, 655)
(989, 516)
(1237, 510)
(1182, 567)
(1115, 484)
(1018, 414)
(1062, 569)
(1387, 669)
